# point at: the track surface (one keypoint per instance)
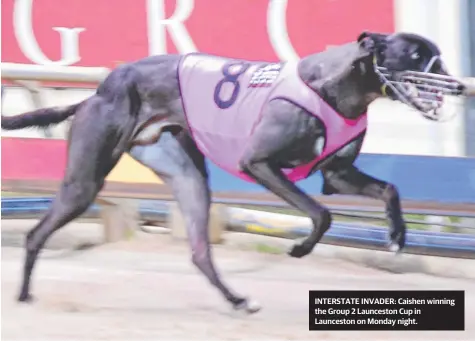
(148, 290)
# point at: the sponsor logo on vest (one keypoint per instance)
(264, 76)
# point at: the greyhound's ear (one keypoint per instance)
(371, 41)
(363, 35)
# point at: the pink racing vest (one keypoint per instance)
(224, 99)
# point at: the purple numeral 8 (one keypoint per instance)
(230, 76)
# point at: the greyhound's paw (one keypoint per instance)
(299, 250)
(395, 248)
(247, 306)
(25, 298)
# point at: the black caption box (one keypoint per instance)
(386, 310)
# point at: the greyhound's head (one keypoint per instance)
(411, 70)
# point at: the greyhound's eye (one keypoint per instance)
(415, 56)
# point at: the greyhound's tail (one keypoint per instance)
(39, 118)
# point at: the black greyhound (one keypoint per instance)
(140, 109)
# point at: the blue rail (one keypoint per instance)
(354, 234)
(21, 207)
(419, 178)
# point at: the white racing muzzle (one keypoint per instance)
(424, 91)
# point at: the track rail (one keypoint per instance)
(360, 235)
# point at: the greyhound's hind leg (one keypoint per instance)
(176, 159)
(94, 149)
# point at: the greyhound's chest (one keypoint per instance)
(309, 149)
(305, 147)
(223, 100)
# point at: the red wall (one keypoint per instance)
(116, 30)
(33, 159)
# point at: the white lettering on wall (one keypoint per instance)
(23, 29)
(158, 24)
(277, 30)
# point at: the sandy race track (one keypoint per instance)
(147, 289)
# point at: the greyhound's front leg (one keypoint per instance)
(284, 136)
(179, 163)
(274, 180)
(350, 180)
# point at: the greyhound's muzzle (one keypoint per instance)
(423, 91)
